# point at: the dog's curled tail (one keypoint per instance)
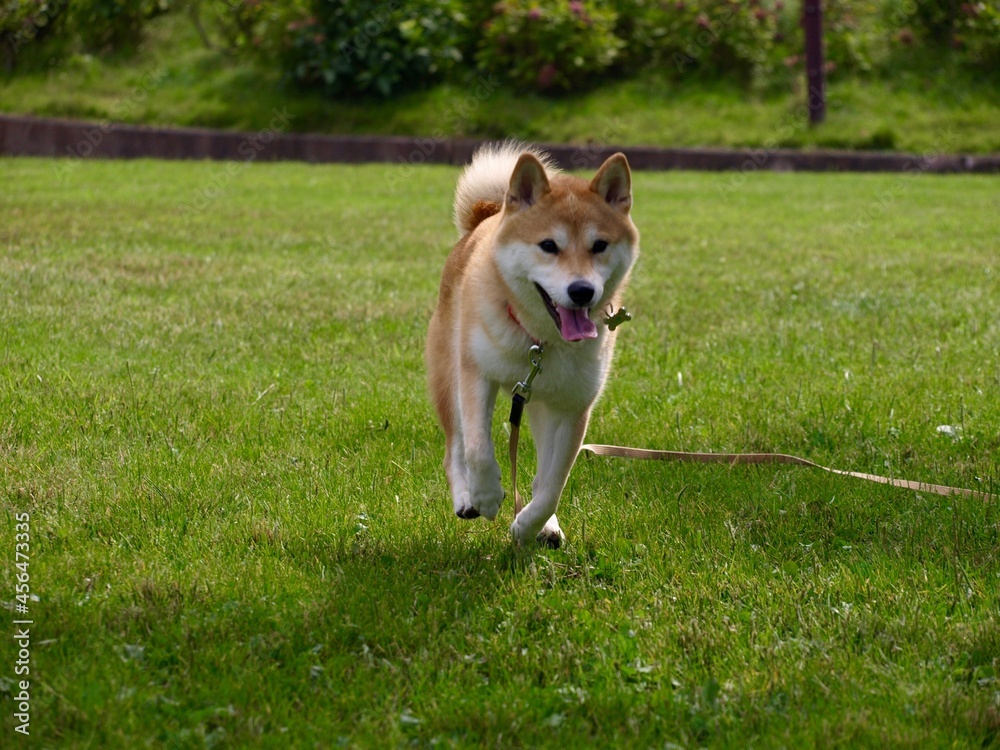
(483, 184)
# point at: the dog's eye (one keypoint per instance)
(599, 246)
(549, 246)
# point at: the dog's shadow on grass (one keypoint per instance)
(466, 552)
(375, 585)
(478, 556)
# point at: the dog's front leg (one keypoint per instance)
(558, 437)
(477, 400)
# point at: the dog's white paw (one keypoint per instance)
(551, 535)
(486, 502)
(466, 512)
(485, 489)
(461, 504)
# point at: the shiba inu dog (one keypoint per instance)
(541, 257)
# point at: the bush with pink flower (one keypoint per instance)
(549, 46)
(706, 37)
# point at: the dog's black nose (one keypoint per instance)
(581, 292)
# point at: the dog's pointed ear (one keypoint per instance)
(528, 182)
(613, 182)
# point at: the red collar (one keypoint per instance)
(513, 317)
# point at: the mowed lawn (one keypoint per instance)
(212, 407)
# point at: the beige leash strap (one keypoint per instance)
(645, 454)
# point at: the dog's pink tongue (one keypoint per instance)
(575, 325)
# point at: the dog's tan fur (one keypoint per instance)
(490, 312)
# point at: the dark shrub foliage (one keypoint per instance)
(549, 46)
(113, 25)
(27, 23)
(716, 37)
(372, 47)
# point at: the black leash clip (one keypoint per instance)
(522, 390)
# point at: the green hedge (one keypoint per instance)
(386, 47)
(113, 24)
(548, 46)
(28, 24)
(370, 46)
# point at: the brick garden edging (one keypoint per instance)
(32, 136)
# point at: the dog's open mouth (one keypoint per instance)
(574, 324)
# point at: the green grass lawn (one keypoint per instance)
(240, 532)
(174, 80)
